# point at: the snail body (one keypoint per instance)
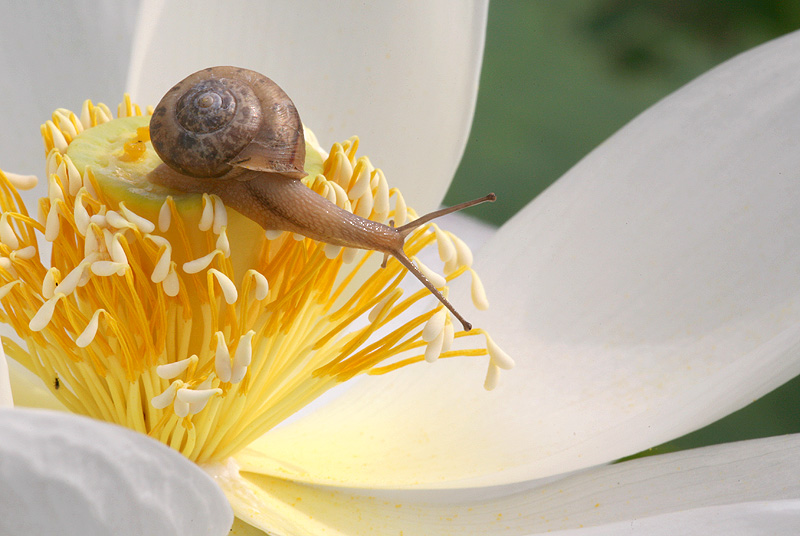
(234, 133)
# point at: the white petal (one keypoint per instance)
(754, 481)
(262, 508)
(653, 284)
(30, 96)
(422, 88)
(64, 474)
(651, 291)
(748, 519)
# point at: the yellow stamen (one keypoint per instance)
(173, 316)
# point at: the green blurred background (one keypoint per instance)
(559, 77)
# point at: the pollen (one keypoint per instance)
(178, 317)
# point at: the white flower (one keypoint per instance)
(650, 291)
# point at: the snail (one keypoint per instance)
(234, 133)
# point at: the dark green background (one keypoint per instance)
(560, 76)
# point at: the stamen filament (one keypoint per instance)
(161, 316)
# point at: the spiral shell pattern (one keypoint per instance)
(225, 116)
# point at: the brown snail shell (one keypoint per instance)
(223, 117)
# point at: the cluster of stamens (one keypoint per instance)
(163, 325)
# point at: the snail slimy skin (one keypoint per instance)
(234, 133)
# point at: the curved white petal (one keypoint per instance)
(57, 55)
(64, 474)
(755, 481)
(747, 519)
(402, 76)
(6, 399)
(652, 290)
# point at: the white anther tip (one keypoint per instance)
(331, 251)
(222, 359)
(229, 291)
(195, 266)
(25, 253)
(165, 399)
(498, 356)
(108, 268)
(447, 249)
(171, 370)
(207, 218)
(262, 285)
(115, 219)
(7, 234)
(435, 279)
(434, 348)
(5, 289)
(22, 182)
(222, 242)
(434, 326)
(193, 396)
(220, 215)
(479, 298)
(87, 335)
(143, 224)
(43, 315)
(161, 269)
(463, 253)
(492, 377)
(164, 217)
(242, 358)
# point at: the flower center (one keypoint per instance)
(173, 316)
